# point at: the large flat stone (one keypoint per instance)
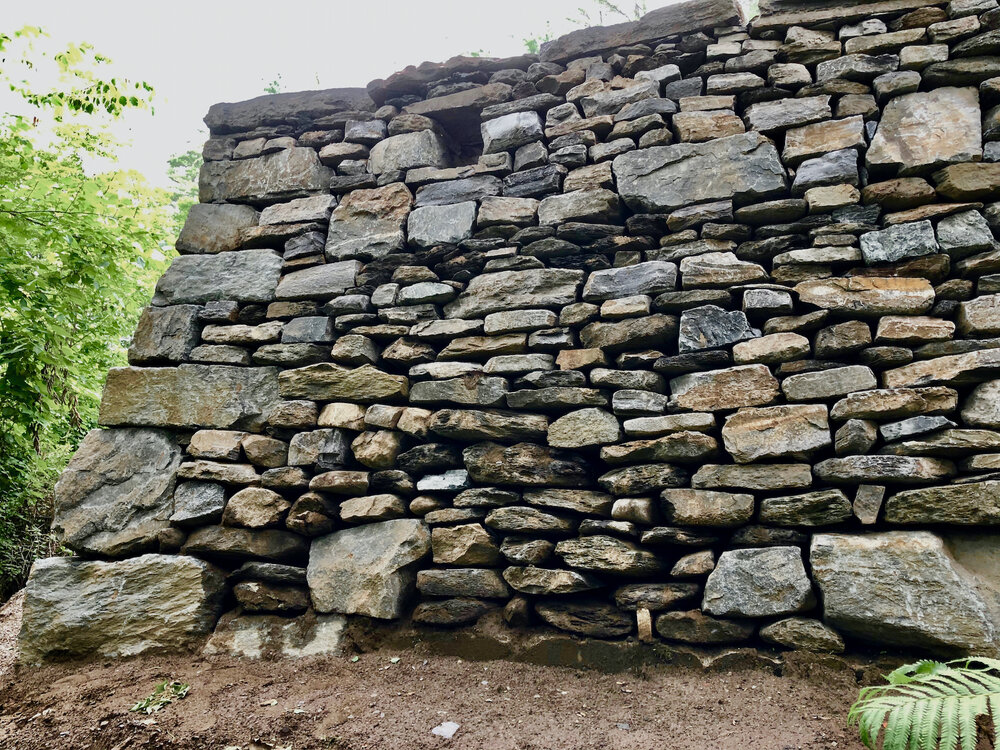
(742, 167)
(732, 388)
(525, 464)
(512, 290)
(329, 382)
(900, 588)
(793, 431)
(165, 334)
(78, 608)
(244, 276)
(368, 570)
(368, 224)
(972, 504)
(758, 583)
(189, 396)
(423, 148)
(215, 228)
(869, 297)
(290, 173)
(954, 369)
(926, 130)
(319, 282)
(116, 494)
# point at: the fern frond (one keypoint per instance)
(929, 705)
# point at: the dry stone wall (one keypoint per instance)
(686, 331)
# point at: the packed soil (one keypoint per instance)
(389, 700)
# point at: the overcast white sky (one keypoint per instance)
(199, 53)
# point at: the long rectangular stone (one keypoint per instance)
(189, 396)
(662, 178)
(244, 276)
(511, 290)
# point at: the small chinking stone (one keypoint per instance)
(683, 330)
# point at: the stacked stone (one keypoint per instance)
(684, 322)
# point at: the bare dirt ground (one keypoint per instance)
(389, 700)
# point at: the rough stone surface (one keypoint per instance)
(368, 570)
(926, 130)
(80, 608)
(744, 167)
(189, 396)
(758, 583)
(116, 494)
(899, 588)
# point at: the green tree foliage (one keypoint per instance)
(79, 251)
(182, 170)
(930, 705)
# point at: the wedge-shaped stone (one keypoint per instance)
(980, 317)
(743, 167)
(473, 426)
(79, 608)
(215, 228)
(632, 333)
(116, 494)
(822, 508)
(895, 403)
(899, 242)
(803, 634)
(700, 629)
(869, 297)
(822, 138)
(638, 480)
(654, 596)
(824, 384)
(758, 583)
(525, 464)
(706, 508)
(880, 469)
(732, 388)
(605, 554)
(510, 290)
(475, 389)
(972, 504)
(678, 447)
(588, 502)
(711, 327)
(652, 277)
(330, 382)
(245, 276)
(926, 130)
(899, 588)
(368, 224)
(955, 369)
(586, 427)
(289, 173)
(530, 521)
(719, 271)
(189, 396)
(793, 431)
(787, 113)
(752, 476)
(547, 581)
(597, 619)
(423, 148)
(368, 570)
(233, 543)
(319, 282)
